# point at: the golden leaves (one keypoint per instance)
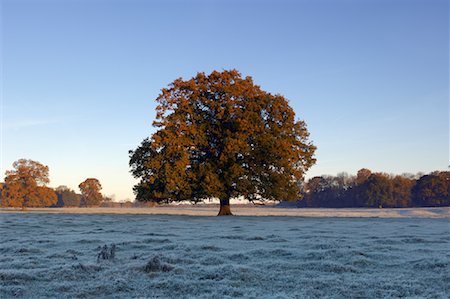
(25, 185)
(219, 135)
(90, 191)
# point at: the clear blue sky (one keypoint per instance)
(79, 78)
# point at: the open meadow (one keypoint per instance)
(68, 255)
(317, 130)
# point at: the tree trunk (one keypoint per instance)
(25, 203)
(224, 208)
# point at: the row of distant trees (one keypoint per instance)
(26, 186)
(368, 189)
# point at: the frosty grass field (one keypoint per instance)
(161, 256)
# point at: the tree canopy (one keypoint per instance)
(221, 136)
(432, 190)
(90, 192)
(25, 185)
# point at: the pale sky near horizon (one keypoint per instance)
(79, 78)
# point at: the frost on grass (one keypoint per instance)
(107, 253)
(155, 265)
(151, 256)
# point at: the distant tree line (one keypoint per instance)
(375, 190)
(26, 187)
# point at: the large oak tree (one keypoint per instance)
(221, 136)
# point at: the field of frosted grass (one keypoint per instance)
(160, 256)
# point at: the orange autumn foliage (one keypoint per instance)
(222, 136)
(25, 186)
(90, 192)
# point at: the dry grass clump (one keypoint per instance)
(107, 253)
(155, 265)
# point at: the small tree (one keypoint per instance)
(25, 186)
(90, 192)
(363, 175)
(377, 191)
(221, 136)
(401, 187)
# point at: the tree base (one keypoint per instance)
(225, 208)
